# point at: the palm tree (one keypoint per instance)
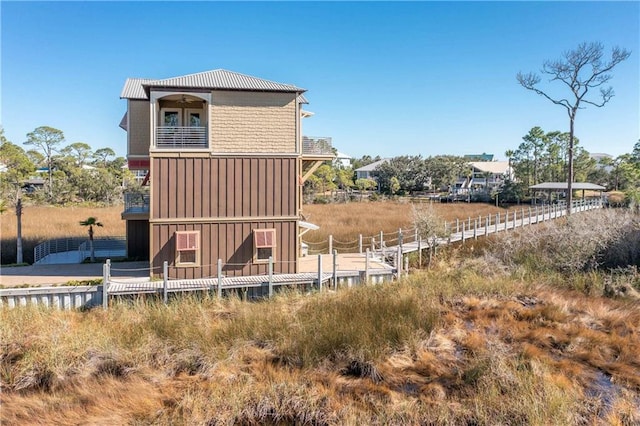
(91, 222)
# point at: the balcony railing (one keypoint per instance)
(136, 202)
(317, 146)
(181, 137)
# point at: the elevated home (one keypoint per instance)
(225, 165)
(484, 176)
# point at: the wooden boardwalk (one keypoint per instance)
(329, 271)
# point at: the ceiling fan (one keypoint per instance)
(184, 100)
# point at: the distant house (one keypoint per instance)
(365, 172)
(226, 162)
(484, 176)
(342, 160)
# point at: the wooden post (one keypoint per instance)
(415, 233)
(360, 243)
(400, 238)
(399, 261)
(381, 240)
(497, 221)
(366, 268)
(105, 287)
(457, 225)
(373, 244)
(320, 272)
(487, 220)
(419, 252)
(463, 232)
(330, 244)
(475, 229)
(335, 269)
(271, 277)
(165, 282)
(406, 264)
(219, 289)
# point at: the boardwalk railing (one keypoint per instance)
(77, 249)
(458, 230)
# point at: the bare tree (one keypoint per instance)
(581, 70)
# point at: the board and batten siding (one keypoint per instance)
(252, 122)
(224, 187)
(225, 198)
(230, 241)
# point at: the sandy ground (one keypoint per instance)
(60, 274)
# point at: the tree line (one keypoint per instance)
(73, 173)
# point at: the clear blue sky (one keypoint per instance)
(382, 78)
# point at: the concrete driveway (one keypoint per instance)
(43, 275)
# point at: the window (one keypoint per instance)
(264, 244)
(187, 248)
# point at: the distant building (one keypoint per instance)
(342, 160)
(365, 172)
(485, 176)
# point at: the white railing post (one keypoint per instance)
(320, 272)
(335, 269)
(360, 243)
(105, 286)
(219, 289)
(475, 229)
(463, 232)
(399, 262)
(366, 268)
(270, 277)
(381, 240)
(497, 221)
(165, 282)
(330, 243)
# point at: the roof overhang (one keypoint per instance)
(560, 186)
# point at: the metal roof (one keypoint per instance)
(495, 167)
(134, 88)
(371, 167)
(563, 186)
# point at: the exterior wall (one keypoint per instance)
(139, 123)
(230, 241)
(224, 198)
(223, 187)
(253, 122)
(138, 239)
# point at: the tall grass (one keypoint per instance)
(451, 345)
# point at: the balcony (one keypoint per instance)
(181, 137)
(136, 205)
(315, 151)
(317, 146)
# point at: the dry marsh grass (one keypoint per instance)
(444, 346)
(41, 223)
(344, 221)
